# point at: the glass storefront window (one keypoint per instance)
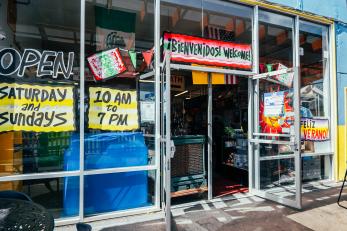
(118, 191)
(120, 109)
(212, 20)
(184, 17)
(60, 196)
(275, 41)
(40, 97)
(39, 86)
(227, 22)
(315, 101)
(314, 66)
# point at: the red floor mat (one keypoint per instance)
(224, 187)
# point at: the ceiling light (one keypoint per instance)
(181, 93)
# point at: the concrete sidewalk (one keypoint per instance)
(244, 212)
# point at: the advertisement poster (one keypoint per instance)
(189, 49)
(147, 109)
(106, 64)
(37, 108)
(273, 103)
(112, 109)
(279, 116)
(313, 129)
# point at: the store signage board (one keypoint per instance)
(314, 129)
(45, 63)
(112, 109)
(177, 83)
(190, 49)
(273, 103)
(106, 64)
(38, 108)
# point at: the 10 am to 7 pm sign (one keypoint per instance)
(190, 49)
(112, 109)
(314, 129)
(36, 108)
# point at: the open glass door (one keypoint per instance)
(275, 137)
(166, 147)
(274, 112)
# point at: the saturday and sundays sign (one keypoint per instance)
(112, 109)
(36, 108)
(314, 129)
(189, 49)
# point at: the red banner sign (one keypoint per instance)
(189, 49)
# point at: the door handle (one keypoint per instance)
(172, 149)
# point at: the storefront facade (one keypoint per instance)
(86, 107)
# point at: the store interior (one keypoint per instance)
(230, 119)
(189, 129)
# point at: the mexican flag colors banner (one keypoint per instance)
(114, 29)
(190, 49)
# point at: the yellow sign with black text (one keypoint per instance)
(112, 109)
(37, 108)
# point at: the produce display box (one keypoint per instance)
(188, 164)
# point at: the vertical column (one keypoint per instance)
(297, 119)
(209, 138)
(167, 108)
(82, 55)
(251, 122)
(157, 134)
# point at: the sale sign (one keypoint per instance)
(190, 49)
(112, 109)
(106, 64)
(314, 129)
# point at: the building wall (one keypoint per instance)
(341, 60)
(336, 9)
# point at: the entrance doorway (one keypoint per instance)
(190, 149)
(230, 143)
(196, 104)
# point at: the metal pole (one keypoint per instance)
(209, 139)
(157, 98)
(251, 160)
(297, 117)
(82, 56)
(167, 106)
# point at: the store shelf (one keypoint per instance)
(188, 192)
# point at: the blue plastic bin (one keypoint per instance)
(110, 192)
